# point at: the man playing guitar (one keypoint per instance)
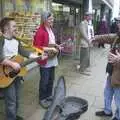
(9, 47)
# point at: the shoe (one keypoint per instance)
(87, 70)
(45, 103)
(19, 118)
(1, 96)
(103, 114)
(50, 98)
(78, 67)
(114, 118)
(84, 73)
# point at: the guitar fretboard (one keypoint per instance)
(29, 61)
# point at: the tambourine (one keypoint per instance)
(105, 38)
(51, 53)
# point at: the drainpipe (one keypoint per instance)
(87, 6)
(109, 17)
(1, 8)
(14, 4)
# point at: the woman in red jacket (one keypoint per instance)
(42, 39)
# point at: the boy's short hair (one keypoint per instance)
(4, 22)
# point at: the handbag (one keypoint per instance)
(52, 54)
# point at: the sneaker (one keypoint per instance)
(50, 98)
(103, 114)
(45, 103)
(85, 73)
(19, 118)
(114, 118)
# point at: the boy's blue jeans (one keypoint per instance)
(11, 95)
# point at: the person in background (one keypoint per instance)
(102, 29)
(9, 47)
(87, 34)
(114, 27)
(1, 92)
(0, 33)
(43, 38)
(112, 87)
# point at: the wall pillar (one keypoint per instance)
(116, 8)
(87, 6)
(109, 18)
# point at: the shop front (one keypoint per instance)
(68, 14)
(23, 7)
(66, 19)
(26, 14)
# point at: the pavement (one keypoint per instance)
(88, 87)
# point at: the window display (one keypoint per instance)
(64, 31)
(27, 16)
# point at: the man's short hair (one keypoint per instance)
(5, 22)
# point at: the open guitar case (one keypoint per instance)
(65, 108)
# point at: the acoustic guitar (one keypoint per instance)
(51, 54)
(8, 74)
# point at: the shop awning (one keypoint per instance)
(109, 3)
(75, 3)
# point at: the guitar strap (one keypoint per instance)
(2, 39)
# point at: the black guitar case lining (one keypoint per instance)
(65, 108)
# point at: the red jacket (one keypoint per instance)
(41, 39)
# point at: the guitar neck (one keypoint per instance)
(30, 61)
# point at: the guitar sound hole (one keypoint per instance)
(39, 53)
(13, 73)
